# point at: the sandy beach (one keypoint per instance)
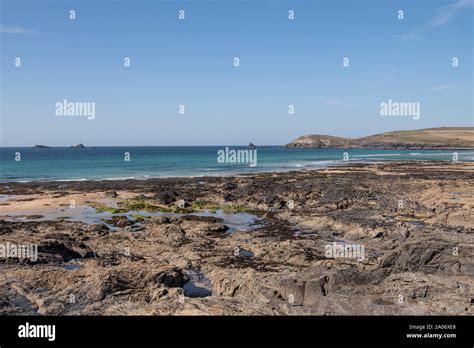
(381, 238)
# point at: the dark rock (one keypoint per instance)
(171, 278)
(343, 204)
(119, 221)
(228, 197)
(6, 227)
(78, 146)
(100, 229)
(201, 218)
(166, 197)
(229, 186)
(218, 228)
(66, 251)
(114, 282)
(413, 258)
(135, 228)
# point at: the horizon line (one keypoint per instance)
(92, 146)
(208, 145)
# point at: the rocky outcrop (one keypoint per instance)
(416, 258)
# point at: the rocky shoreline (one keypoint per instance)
(404, 229)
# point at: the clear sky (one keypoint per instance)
(190, 62)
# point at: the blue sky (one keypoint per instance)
(190, 62)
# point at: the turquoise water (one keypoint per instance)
(61, 163)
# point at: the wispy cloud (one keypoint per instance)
(15, 30)
(442, 16)
(442, 88)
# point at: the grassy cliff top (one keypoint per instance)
(430, 138)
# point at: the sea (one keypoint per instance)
(24, 164)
